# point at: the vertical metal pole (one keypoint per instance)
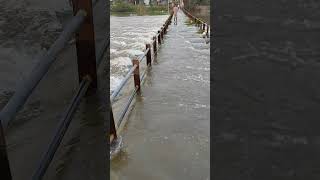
(136, 74)
(161, 33)
(159, 38)
(85, 43)
(164, 31)
(203, 26)
(155, 45)
(148, 54)
(5, 172)
(113, 130)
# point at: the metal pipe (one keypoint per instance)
(124, 81)
(121, 85)
(193, 17)
(127, 107)
(140, 58)
(26, 87)
(61, 130)
(143, 75)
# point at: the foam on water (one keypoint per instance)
(114, 82)
(128, 38)
(120, 61)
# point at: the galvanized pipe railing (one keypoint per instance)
(61, 130)
(200, 23)
(27, 86)
(135, 72)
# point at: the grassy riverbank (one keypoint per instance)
(202, 12)
(121, 8)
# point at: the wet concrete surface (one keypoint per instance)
(265, 90)
(27, 29)
(167, 132)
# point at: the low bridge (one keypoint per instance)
(170, 95)
(161, 129)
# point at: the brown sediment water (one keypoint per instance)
(166, 134)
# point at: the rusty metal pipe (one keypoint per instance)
(136, 74)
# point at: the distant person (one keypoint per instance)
(175, 14)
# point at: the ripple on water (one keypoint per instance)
(128, 38)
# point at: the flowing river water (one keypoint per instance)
(19, 52)
(167, 133)
(128, 36)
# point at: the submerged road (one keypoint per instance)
(167, 132)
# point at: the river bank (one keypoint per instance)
(125, 9)
(202, 12)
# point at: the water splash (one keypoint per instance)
(128, 38)
(115, 147)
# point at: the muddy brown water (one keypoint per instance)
(166, 135)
